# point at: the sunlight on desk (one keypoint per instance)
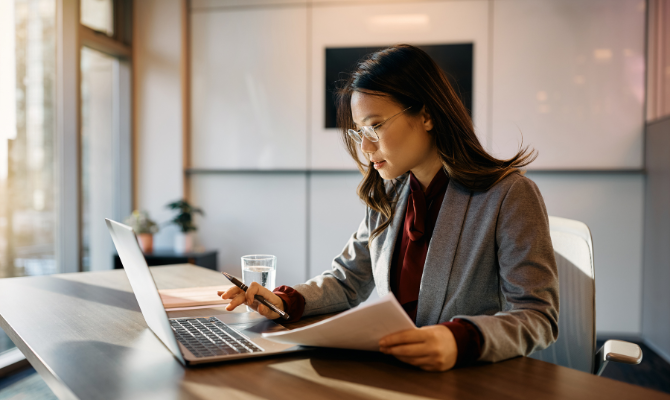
(303, 369)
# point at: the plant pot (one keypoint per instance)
(146, 241)
(183, 242)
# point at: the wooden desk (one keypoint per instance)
(86, 337)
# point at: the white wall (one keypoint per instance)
(569, 75)
(156, 58)
(259, 214)
(559, 72)
(305, 218)
(249, 106)
(612, 205)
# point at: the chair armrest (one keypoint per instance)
(617, 351)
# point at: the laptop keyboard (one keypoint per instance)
(209, 337)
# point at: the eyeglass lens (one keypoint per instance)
(367, 131)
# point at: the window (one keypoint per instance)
(27, 130)
(105, 153)
(98, 15)
(49, 181)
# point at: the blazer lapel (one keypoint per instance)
(441, 253)
(388, 238)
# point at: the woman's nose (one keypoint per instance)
(367, 146)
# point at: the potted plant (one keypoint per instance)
(184, 220)
(145, 228)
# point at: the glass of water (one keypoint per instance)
(259, 268)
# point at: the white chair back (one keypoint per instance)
(576, 344)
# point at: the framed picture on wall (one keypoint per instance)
(456, 60)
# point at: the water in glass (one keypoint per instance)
(263, 275)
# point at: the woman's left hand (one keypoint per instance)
(431, 348)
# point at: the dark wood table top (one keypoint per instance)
(85, 335)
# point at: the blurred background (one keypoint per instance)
(112, 106)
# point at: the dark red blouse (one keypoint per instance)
(411, 246)
(407, 264)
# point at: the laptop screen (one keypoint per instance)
(143, 285)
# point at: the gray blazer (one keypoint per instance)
(490, 261)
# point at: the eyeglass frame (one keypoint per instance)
(356, 135)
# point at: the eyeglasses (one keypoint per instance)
(370, 131)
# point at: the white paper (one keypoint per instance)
(196, 307)
(360, 328)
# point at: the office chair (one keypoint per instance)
(576, 344)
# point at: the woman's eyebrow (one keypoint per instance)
(369, 117)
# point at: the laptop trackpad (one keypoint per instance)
(235, 318)
(252, 324)
(266, 326)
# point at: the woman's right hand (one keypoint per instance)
(238, 297)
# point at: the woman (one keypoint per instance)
(461, 238)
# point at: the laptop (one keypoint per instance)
(216, 338)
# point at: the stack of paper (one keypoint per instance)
(193, 296)
(360, 328)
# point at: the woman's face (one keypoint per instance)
(404, 142)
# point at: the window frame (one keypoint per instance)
(72, 36)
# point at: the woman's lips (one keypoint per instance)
(379, 164)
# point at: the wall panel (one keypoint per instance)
(254, 214)
(569, 76)
(249, 103)
(156, 55)
(202, 5)
(335, 213)
(612, 206)
(334, 2)
(656, 303)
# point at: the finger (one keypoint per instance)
(231, 306)
(230, 293)
(408, 350)
(254, 305)
(231, 290)
(266, 312)
(236, 301)
(256, 288)
(252, 291)
(425, 363)
(403, 337)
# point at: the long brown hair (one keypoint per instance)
(411, 78)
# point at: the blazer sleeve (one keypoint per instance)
(528, 279)
(348, 283)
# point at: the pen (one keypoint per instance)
(261, 299)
